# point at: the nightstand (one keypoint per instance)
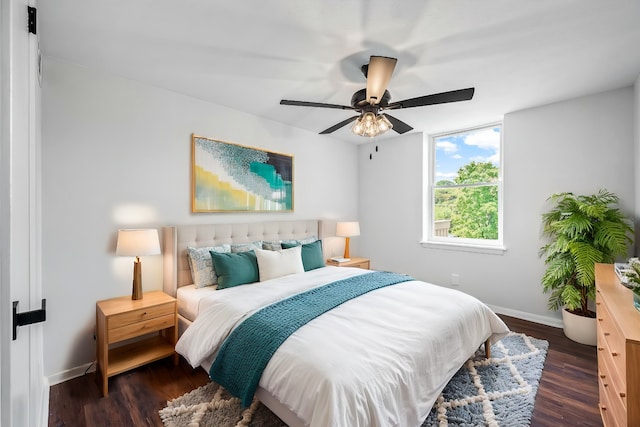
(353, 262)
(120, 319)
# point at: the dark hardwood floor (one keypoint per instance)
(567, 396)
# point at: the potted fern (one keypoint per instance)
(633, 280)
(583, 230)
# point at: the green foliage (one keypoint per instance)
(476, 208)
(633, 275)
(445, 199)
(583, 230)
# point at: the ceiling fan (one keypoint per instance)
(373, 101)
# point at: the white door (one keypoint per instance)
(24, 390)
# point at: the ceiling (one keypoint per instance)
(247, 55)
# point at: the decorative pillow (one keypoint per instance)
(272, 264)
(290, 241)
(272, 246)
(235, 269)
(311, 255)
(276, 245)
(245, 247)
(202, 272)
(307, 240)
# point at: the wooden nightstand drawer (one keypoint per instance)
(136, 316)
(141, 328)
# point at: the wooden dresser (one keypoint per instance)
(618, 350)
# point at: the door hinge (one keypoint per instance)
(28, 317)
(31, 20)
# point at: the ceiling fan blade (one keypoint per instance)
(339, 125)
(437, 98)
(398, 125)
(379, 73)
(315, 104)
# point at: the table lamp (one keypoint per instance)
(136, 243)
(347, 230)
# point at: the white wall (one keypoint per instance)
(117, 153)
(579, 145)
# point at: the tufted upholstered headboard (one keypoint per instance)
(175, 240)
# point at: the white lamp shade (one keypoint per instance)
(138, 242)
(348, 229)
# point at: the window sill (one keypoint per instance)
(465, 247)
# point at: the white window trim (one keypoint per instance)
(493, 247)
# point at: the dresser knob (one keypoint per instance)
(623, 394)
(600, 319)
(604, 408)
(600, 348)
(606, 334)
(603, 376)
(613, 353)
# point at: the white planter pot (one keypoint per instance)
(579, 328)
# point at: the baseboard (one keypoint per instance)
(72, 373)
(544, 320)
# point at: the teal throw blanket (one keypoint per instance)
(246, 352)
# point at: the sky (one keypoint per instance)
(456, 150)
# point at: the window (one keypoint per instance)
(464, 197)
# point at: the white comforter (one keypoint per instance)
(378, 360)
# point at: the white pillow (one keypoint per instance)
(272, 264)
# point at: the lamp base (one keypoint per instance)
(346, 247)
(136, 292)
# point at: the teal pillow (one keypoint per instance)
(311, 254)
(235, 269)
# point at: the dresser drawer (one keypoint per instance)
(140, 328)
(610, 338)
(613, 410)
(136, 316)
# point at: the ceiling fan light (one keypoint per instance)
(368, 118)
(358, 128)
(384, 124)
(371, 125)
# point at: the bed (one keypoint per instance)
(379, 359)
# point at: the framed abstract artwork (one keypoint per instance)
(228, 177)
